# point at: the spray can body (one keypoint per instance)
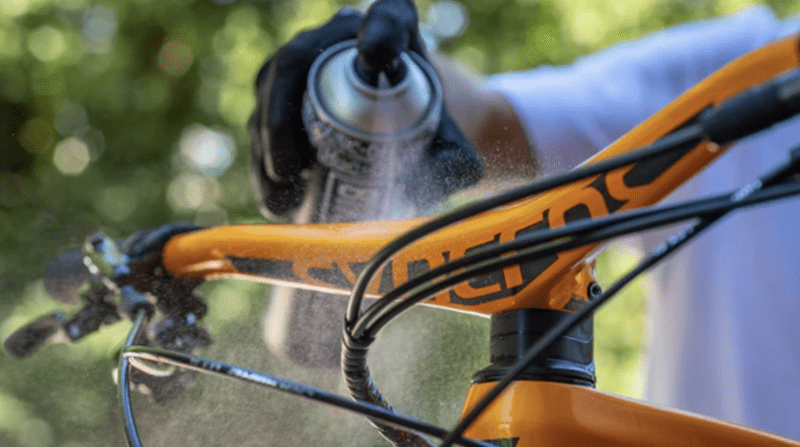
(368, 139)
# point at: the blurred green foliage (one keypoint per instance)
(118, 115)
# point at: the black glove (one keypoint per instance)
(281, 150)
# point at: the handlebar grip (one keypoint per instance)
(753, 110)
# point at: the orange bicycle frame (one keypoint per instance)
(330, 257)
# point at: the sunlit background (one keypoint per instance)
(127, 114)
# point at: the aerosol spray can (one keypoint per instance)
(367, 138)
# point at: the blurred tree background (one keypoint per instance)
(118, 115)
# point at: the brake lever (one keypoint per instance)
(123, 278)
(98, 311)
(26, 340)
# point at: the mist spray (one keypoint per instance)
(367, 136)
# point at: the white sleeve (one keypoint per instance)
(571, 112)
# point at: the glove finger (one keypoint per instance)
(276, 126)
(276, 199)
(449, 164)
(389, 28)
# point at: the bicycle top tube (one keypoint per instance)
(330, 256)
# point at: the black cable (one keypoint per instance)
(686, 137)
(678, 240)
(214, 367)
(131, 432)
(521, 243)
(550, 242)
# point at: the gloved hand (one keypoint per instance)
(281, 150)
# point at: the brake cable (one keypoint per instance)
(214, 367)
(548, 242)
(131, 432)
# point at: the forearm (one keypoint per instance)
(488, 120)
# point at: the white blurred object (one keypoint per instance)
(209, 151)
(445, 20)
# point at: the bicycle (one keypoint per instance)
(519, 257)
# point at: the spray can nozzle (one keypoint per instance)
(370, 72)
(381, 42)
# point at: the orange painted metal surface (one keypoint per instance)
(207, 253)
(547, 414)
(329, 256)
